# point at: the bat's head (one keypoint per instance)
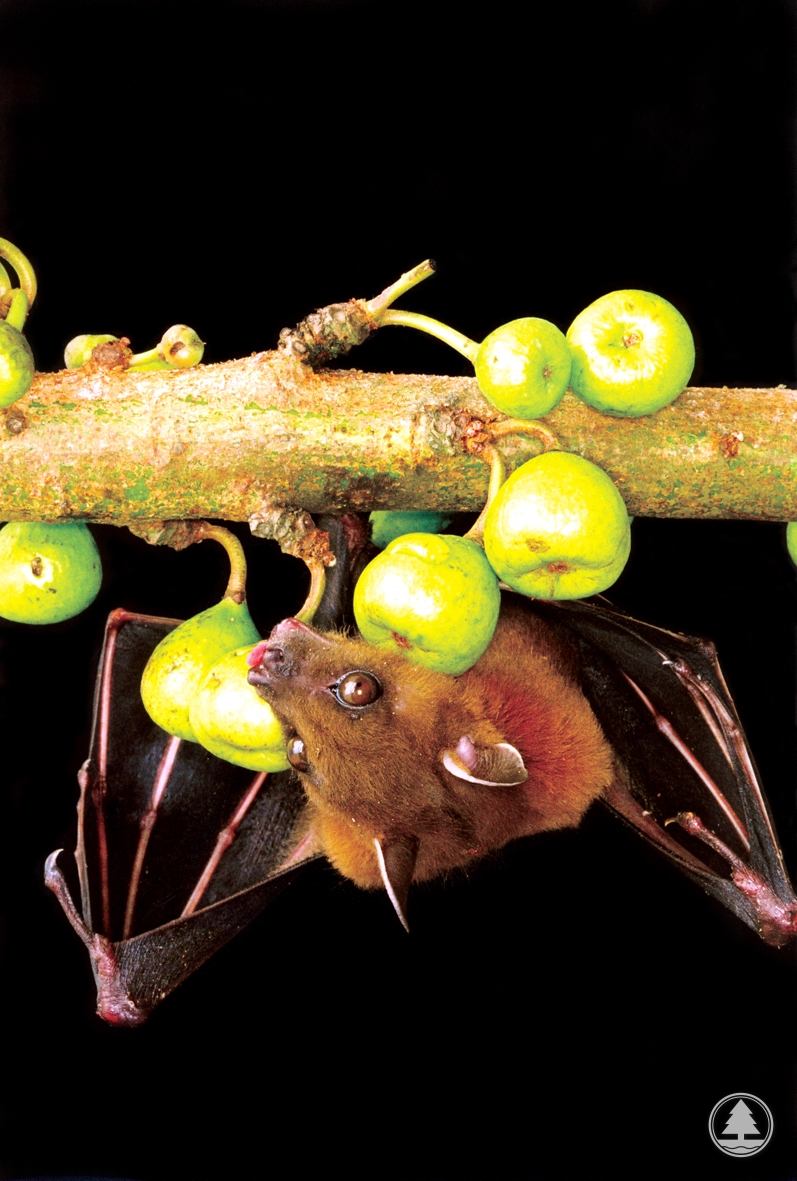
(361, 722)
(381, 745)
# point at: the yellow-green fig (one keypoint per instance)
(387, 526)
(233, 722)
(558, 529)
(523, 367)
(633, 353)
(47, 572)
(791, 540)
(182, 659)
(16, 364)
(80, 348)
(432, 597)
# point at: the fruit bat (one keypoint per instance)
(402, 774)
(409, 773)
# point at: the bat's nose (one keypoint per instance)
(274, 660)
(269, 655)
(279, 655)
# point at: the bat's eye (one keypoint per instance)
(357, 689)
(297, 754)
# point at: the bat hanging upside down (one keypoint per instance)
(410, 773)
(405, 774)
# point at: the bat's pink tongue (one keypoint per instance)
(255, 657)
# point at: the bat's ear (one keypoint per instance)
(498, 765)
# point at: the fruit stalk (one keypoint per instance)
(236, 585)
(25, 272)
(318, 582)
(497, 477)
(18, 310)
(463, 344)
(488, 451)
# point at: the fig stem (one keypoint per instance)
(236, 586)
(497, 477)
(463, 344)
(318, 581)
(521, 426)
(379, 304)
(488, 451)
(25, 272)
(5, 281)
(142, 358)
(17, 312)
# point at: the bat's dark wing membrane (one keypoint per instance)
(688, 782)
(139, 859)
(177, 851)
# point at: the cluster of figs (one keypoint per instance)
(557, 528)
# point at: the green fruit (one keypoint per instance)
(80, 348)
(632, 352)
(233, 722)
(558, 529)
(387, 526)
(47, 572)
(791, 540)
(183, 658)
(181, 346)
(432, 597)
(17, 366)
(524, 367)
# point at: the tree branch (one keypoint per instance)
(234, 440)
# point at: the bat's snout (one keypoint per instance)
(281, 654)
(275, 660)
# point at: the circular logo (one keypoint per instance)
(740, 1125)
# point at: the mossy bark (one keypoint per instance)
(235, 440)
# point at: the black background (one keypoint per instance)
(573, 1010)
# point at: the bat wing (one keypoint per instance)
(177, 851)
(686, 779)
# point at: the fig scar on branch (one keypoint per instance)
(332, 331)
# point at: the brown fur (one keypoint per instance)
(378, 773)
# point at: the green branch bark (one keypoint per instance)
(238, 439)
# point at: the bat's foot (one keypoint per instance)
(777, 920)
(113, 1003)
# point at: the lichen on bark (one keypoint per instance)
(234, 440)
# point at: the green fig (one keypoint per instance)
(387, 526)
(233, 722)
(16, 364)
(80, 348)
(633, 353)
(48, 572)
(431, 596)
(181, 346)
(183, 658)
(791, 540)
(558, 528)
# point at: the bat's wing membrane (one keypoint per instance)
(134, 889)
(687, 782)
(177, 851)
